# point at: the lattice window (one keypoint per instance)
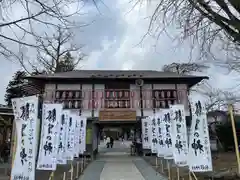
(164, 98)
(72, 99)
(117, 98)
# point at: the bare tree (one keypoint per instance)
(33, 18)
(184, 68)
(56, 53)
(215, 98)
(218, 99)
(211, 25)
(189, 68)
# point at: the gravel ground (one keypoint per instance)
(44, 175)
(224, 167)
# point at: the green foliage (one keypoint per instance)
(225, 135)
(66, 63)
(12, 91)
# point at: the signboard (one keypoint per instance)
(117, 115)
(146, 144)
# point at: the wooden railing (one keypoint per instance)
(119, 98)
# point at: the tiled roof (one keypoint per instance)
(114, 74)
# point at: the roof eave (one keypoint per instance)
(197, 80)
(136, 77)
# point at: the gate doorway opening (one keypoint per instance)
(124, 135)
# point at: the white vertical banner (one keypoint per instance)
(70, 136)
(82, 139)
(26, 118)
(146, 143)
(77, 136)
(167, 134)
(199, 157)
(61, 158)
(153, 132)
(51, 116)
(160, 128)
(179, 135)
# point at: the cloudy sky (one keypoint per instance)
(113, 41)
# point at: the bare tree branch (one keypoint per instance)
(184, 68)
(35, 16)
(53, 49)
(211, 26)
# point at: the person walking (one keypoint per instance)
(111, 141)
(108, 140)
(138, 145)
(122, 139)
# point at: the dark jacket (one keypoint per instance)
(111, 140)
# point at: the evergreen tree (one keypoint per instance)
(66, 63)
(12, 91)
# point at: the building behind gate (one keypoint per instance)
(113, 99)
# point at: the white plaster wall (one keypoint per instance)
(183, 97)
(147, 101)
(86, 90)
(163, 86)
(135, 97)
(49, 94)
(99, 98)
(69, 86)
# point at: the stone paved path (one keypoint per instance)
(117, 164)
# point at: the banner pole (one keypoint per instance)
(194, 175)
(156, 162)
(77, 173)
(71, 170)
(189, 175)
(64, 176)
(84, 162)
(51, 177)
(178, 174)
(169, 170)
(230, 108)
(162, 169)
(82, 165)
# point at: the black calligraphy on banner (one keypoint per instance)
(179, 135)
(200, 153)
(167, 134)
(60, 145)
(82, 148)
(63, 137)
(21, 177)
(178, 122)
(50, 119)
(146, 138)
(71, 136)
(81, 129)
(160, 136)
(25, 117)
(154, 135)
(69, 132)
(168, 139)
(146, 142)
(49, 147)
(81, 139)
(26, 132)
(197, 145)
